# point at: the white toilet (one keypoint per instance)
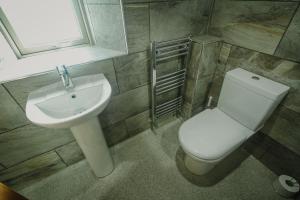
(245, 103)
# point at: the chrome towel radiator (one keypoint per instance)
(174, 81)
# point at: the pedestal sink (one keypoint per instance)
(77, 108)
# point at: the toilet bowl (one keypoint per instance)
(245, 103)
(208, 137)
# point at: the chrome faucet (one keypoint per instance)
(65, 76)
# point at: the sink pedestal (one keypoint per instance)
(91, 140)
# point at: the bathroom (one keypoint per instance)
(39, 160)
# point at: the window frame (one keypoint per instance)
(20, 51)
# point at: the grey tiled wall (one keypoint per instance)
(203, 63)
(271, 27)
(29, 153)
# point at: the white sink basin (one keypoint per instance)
(77, 108)
(55, 107)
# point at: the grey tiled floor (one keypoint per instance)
(145, 168)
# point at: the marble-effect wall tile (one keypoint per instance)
(201, 91)
(11, 114)
(186, 110)
(283, 126)
(215, 87)
(138, 123)
(132, 70)
(193, 67)
(258, 25)
(70, 153)
(189, 90)
(115, 133)
(29, 141)
(224, 55)
(170, 20)
(203, 64)
(209, 59)
(32, 171)
(125, 105)
(137, 27)
(289, 46)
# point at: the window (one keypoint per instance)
(34, 26)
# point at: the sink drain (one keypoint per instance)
(73, 96)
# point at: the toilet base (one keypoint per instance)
(197, 166)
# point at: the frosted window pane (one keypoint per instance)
(42, 22)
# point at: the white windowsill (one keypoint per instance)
(44, 63)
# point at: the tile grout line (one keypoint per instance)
(10, 94)
(226, 63)
(3, 166)
(32, 157)
(55, 150)
(211, 10)
(126, 118)
(210, 83)
(288, 59)
(197, 75)
(116, 75)
(15, 128)
(149, 24)
(287, 27)
(136, 87)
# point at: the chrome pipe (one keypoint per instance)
(185, 39)
(175, 107)
(176, 77)
(167, 90)
(171, 101)
(169, 107)
(172, 56)
(160, 88)
(174, 110)
(182, 50)
(182, 71)
(172, 46)
(170, 82)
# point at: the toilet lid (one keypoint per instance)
(212, 135)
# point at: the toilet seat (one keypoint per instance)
(211, 135)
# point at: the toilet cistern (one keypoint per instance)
(65, 76)
(245, 103)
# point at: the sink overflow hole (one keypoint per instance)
(73, 96)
